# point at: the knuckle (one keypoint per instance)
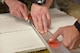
(24, 5)
(11, 12)
(49, 18)
(66, 44)
(60, 29)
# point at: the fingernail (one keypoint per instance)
(41, 32)
(45, 31)
(26, 18)
(50, 39)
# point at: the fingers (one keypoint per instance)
(35, 21)
(66, 42)
(44, 21)
(70, 42)
(18, 14)
(18, 9)
(24, 12)
(74, 44)
(48, 19)
(56, 34)
(40, 24)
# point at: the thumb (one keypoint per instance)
(56, 34)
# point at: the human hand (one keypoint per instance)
(17, 8)
(41, 17)
(71, 36)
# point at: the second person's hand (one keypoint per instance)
(70, 34)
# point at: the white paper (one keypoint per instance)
(9, 23)
(16, 35)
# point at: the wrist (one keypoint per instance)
(39, 2)
(77, 25)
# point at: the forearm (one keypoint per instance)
(48, 3)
